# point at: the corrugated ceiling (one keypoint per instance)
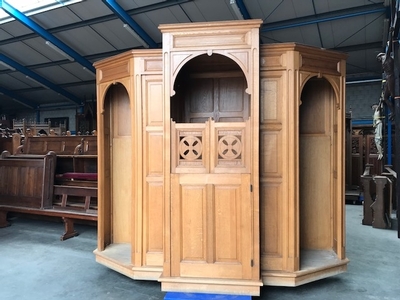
(92, 30)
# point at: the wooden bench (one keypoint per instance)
(70, 203)
(68, 217)
(62, 145)
(74, 153)
(27, 181)
(27, 186)
(34, 128)
(10, 143)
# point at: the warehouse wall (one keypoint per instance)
(61, 113)
(360, 97)
(31, 116)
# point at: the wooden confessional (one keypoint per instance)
(302, 153)
(130, 164)
(221, 162)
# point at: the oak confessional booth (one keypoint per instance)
(220, 161)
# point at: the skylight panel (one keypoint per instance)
(32, 7)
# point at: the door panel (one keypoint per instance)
(211, 201)
(210, 229)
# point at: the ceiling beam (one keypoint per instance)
(98, 20)
(39, 79)
(359, 47)
(142, 35)
(91, 57)
(240, 9)
(243, 9)
(28, 103)
(46, 35)
(325, 17)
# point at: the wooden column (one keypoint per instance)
(396, 51)
(378, 206)
(367, 210)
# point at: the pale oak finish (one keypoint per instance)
(130, 135)
(302, 159)
(226, 95)
(175, 201)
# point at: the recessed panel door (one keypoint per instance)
(211, 201)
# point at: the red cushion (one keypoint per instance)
(81, 176)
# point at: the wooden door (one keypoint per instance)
(211, 201)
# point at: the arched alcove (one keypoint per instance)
(316, 172)
(210, 86)
(117, 145)
(301, 164)
(130, 174)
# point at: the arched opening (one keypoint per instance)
(117, 166)
(317, 138)
(210, 87)
(210, 170)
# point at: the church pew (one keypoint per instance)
(62, 145)
(71, 194)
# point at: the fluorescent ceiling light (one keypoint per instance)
(236, 9)
(32, 7)
(7, 65)
(363, 81)
(134, 33)
(39, 83)
(55, 48)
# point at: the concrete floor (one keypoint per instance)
(35, 264)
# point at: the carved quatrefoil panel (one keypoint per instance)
(190, 148)
(229, 147)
